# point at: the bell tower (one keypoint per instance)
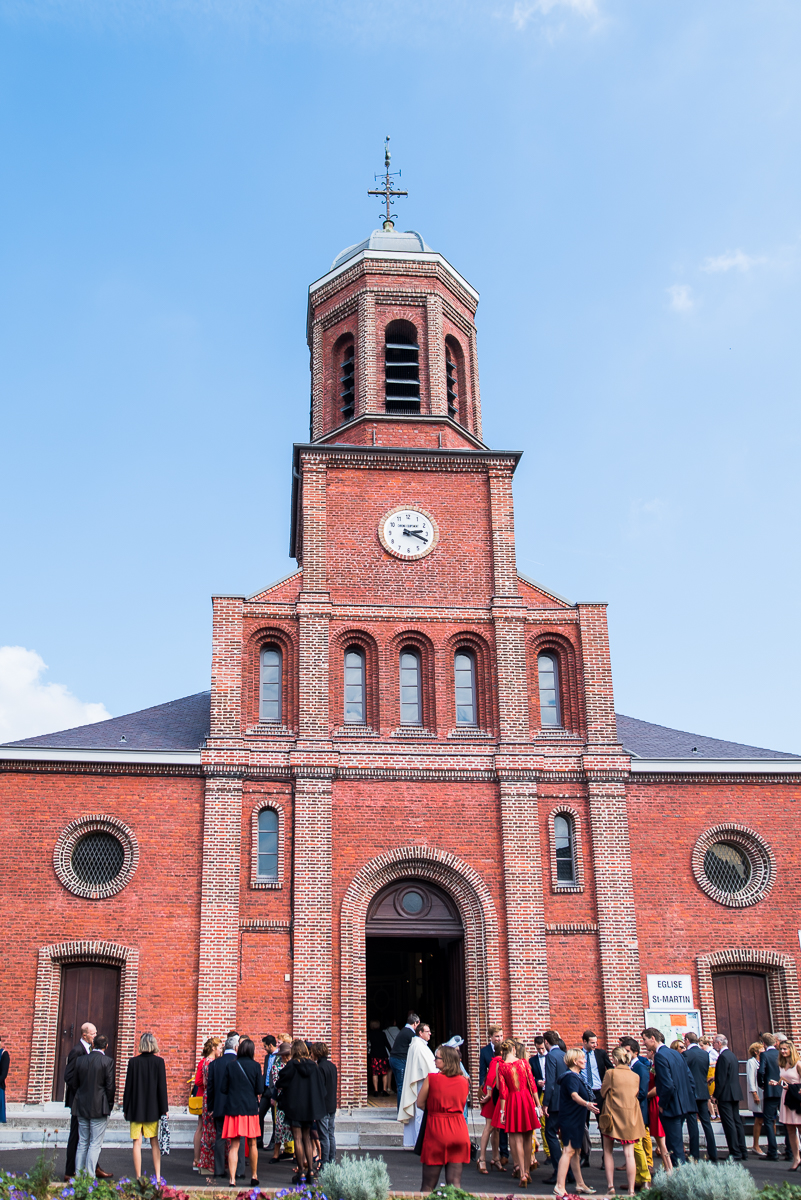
(392, 336)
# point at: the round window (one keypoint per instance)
(98, 858)
(95, 857)
(727, 867)
(412, 903)
(733, 865)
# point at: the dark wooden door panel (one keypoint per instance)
(88, 993)
(742, 1009)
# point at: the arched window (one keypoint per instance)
(453, 383)
(411, 708)
(270, 685)
(268, 844)
(402, 362)
(464, 678)
(347, 381)
(564, 841)
(355, 710)
(548, 672)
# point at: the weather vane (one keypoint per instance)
(387, 191)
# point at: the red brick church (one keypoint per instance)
(407, 786)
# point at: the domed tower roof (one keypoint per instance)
(386, 241)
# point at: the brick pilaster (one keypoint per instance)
(219, 907)
(318, 404)
(312, 985)
(437, 378)
(226, 666)
(525, 912)
(508, 613)
(597, 668)
(474, 388)
(367, 365)
(313, 507)
(614, 893)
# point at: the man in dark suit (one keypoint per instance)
(596, 1065)
(488, 1052)
(768, 1078)
(675, 1090)
(216, 1103)
(554, 1068)
(400, 1051)
(5, 1063)
(728, 1095)
(697, 1060)
(88, 1033)
(537, 1062)
(92, 1080)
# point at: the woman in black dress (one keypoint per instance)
(304, 1101)
(574, 1100)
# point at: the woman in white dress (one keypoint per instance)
(419, 1065)
(755, 1094)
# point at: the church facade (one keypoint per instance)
(407, 786)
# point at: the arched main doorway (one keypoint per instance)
(414, 958)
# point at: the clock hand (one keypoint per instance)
(415, 533)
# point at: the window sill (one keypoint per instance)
(412, 731)
(558, 734)
(267, 729)
(354, 731)
(469, 731)
(266, 884)
(567, 887)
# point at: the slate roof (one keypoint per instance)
(184, 725)
(643, 740)
(179, 725)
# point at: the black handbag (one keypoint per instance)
(792, 1097)
(418, 1145)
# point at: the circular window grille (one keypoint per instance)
(412, 903)
(95, 857)
(734, 865)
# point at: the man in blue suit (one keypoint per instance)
(768, 1078)
(675, 1091)
(488, 1052)
(554, 1068)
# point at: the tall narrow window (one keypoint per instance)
(453, 384)
(565, 849)
(268, 844)
(464, 675)
(270, 700)
(402, 362)
(548, 670)
(354, 686)
(347, 383)
(411, 712)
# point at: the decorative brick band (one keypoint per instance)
(559, 885)
(572, 927)
(782, 978)
(259, 923)
(47, 998)
(68, 840)
(760, 857)
(482, 968)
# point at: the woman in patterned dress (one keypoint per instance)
(283, 1130)
(208, 1132)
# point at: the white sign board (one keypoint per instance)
(670, 993)
(674, 1025)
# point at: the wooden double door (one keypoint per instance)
(742, 1009)
(88, 993)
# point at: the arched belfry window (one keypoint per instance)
(270, 685)
(564, 834)
(411, 699)
(453, 383)
(355, 708)
(548, 673)
(347, 381)
(464, 678)
(402, 368)
(268, 844)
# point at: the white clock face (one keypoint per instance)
(408, 533)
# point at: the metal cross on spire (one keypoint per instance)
(387, 191)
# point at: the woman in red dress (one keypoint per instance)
(655, 1127)
(446, 1142)
(488, 1106)
(516, 1111)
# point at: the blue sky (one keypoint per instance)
(619, 180)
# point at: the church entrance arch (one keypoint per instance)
(459, 905)
(414, 959)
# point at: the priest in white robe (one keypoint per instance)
(419, 1065)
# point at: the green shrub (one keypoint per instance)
(355, 1179)
(781, 1191)
(86, 1187)
(446, 1191)
(705, 1181)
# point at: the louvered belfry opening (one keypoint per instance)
(347, 382)
(402, 361)
(453, 384)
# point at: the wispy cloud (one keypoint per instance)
(732, 260)
(525, 10)
(29, 707)
(681, 298)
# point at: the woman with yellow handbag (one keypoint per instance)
(205, 1132)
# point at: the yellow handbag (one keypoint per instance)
(195, 1102)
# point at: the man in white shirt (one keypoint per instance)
(84, 1046)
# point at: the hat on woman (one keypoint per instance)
(454, 1041)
